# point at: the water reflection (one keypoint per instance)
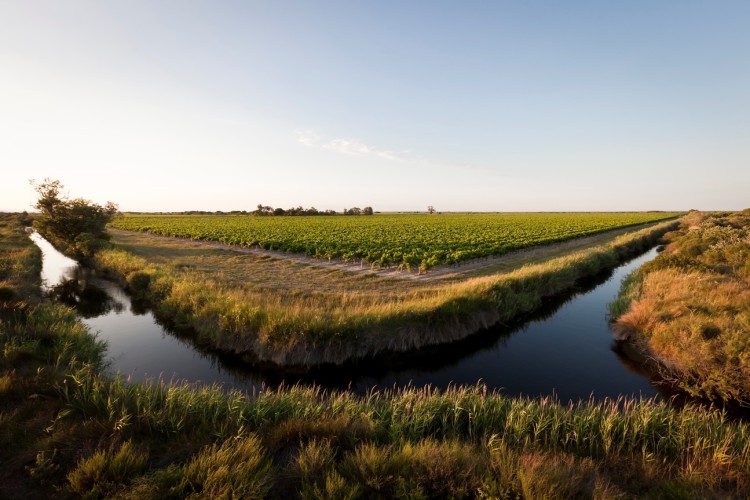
(87, 299)
(565, 349)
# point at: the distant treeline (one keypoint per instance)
(265, 210)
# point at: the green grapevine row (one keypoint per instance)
(412, 240)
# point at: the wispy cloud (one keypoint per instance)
(394, 156)
(353, 147)
(307, 138)
(349, 147)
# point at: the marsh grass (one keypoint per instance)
(689, 309)
(236, 468)
(20, 263)
(452, 443)
(105, 471)
(324, 321)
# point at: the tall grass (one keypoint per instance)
(595, 429)
(102, 473)
(689, 309)
(20, 263)
(421, 440)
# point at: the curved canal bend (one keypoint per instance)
(566, 350)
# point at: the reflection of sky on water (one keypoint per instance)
(55, 266)
(567, 353)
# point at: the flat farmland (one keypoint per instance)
(413, 240)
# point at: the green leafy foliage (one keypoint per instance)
(76, 224)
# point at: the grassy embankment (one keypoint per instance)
(688, 311)
(291, 313)
(66, 430)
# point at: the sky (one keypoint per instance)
(466, 106)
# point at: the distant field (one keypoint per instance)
(413, 240)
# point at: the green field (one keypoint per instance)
(413, 240)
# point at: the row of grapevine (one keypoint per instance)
(412, 240)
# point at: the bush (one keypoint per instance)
(680, 262)
(77, 224)
(138, 283)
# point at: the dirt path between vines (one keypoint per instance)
(471, 268)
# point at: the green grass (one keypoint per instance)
(454, 443)
(413, 241)
(67, 430)
(689, 309)
(292, 314)
(20, 263)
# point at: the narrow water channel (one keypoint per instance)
(566, 350)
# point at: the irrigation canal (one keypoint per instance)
(566, 349)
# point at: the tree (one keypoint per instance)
(367, 211)
(263, 210)
(430, 209)
(77, 225)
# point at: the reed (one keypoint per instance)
(440, 443)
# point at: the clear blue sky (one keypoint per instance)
(498, 106)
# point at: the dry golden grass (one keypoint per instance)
(691, 308)
(697, 324)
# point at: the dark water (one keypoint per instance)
(565, 350)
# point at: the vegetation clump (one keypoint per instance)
(689, 309)
(267, 210)
(77, 226)
(20, 262)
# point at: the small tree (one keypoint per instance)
(430, 209)
(263, 210)
(78, 225)
(367, 211)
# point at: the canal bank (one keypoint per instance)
(563, 350)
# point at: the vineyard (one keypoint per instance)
(410, 240)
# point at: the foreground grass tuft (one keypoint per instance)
(106, 471)
(236, 468)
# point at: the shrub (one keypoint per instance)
(673, 261)
(138, 283)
